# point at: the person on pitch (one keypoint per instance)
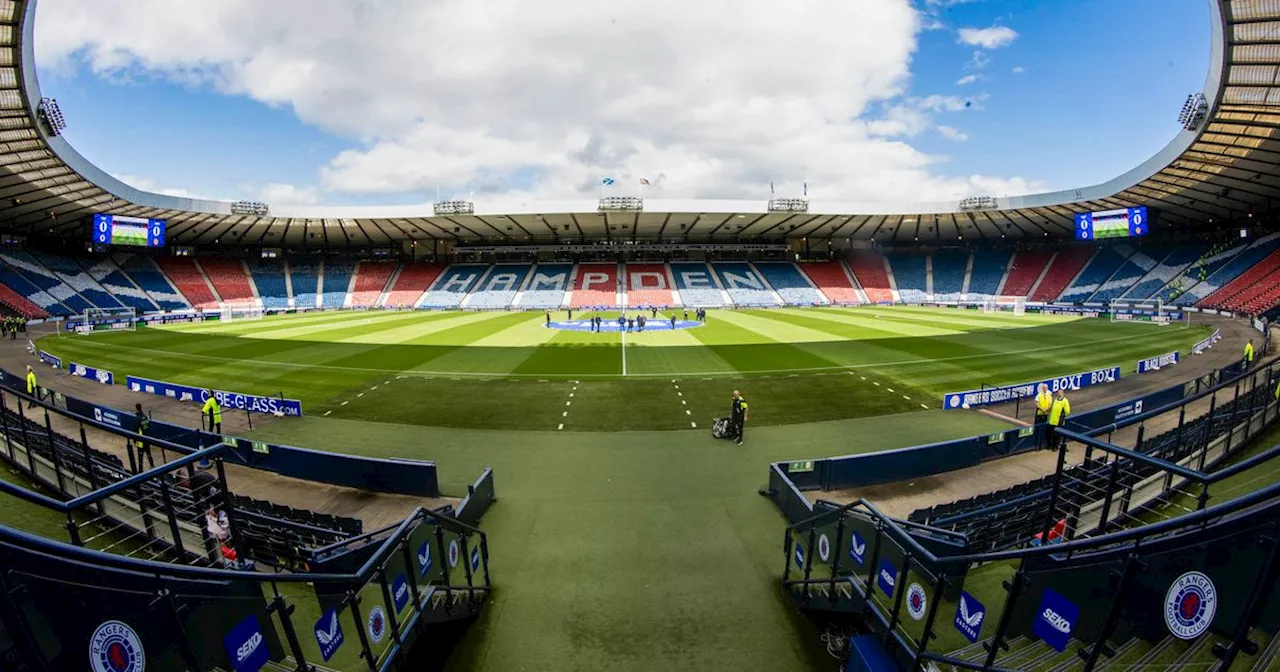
(1058, 413)
(738, 416)
(673, 321)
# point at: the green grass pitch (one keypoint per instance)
(628, 540)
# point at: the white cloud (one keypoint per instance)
(509, 98)
(951, 133)
(979, 61)
(988, 38)
(1018, 69)
(966, 80)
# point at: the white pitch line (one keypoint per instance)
(561, 426)
(906, 397)
(345, 403)
(683, 402)
(565, 414)
(359, 395)
(327, 412)
(688, 412)
(570, 395)
(923, 406)
(624, 353)
(875, 383)
(889, 388)
(567, 403)
(386, 382)
(693, 425)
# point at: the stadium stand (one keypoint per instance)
(452, 286)
(282, 536)
(113, 280)
(948, 274)
(1105, 262)
(20, 305)
(696, 284)
(910, 272)
(45, 281)
(988, 270)
(869, 270)
(304, 278)
(70, 272)
(371, 280)
(832, 279)
(18, 284)
(498, 287)
(410, 284)
(1253, 291)
(336, 274)
(547, 286)
(188, 279)
(149, 278)
(230, 279)
(1063, 269)
(745, 286)
(1171, 267)
(595, 285)
(790, 284)
(1134, 268)
(1230, 270)
(1026, 269)
(268, 277)
(648, 285)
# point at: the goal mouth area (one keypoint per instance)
(233, 312)
(1013, 304)
(99, 320)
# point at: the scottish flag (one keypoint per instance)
(606, 181)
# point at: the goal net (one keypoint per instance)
(240, 311)
(1005, 304)
(1150, 312)
(97, 320)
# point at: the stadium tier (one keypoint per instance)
(453, 286)
(304, 278)
(1104, 264)
(1136, 265)
(271, 283)
(149, 278)
(1231, 270)
(648, 285)
(745, 286)
(20, 305)
(595, 285)
(336, 278)
(948, 268)
(547, 287)
(1064, 267)
(190, 280)
(372, 278)
(498, 287)
(791, 285)
(910, 276)
(46, 282)
(113, 280)
(411, 283)
(1024, 272)
(987, 276)
(230, 280)
(1164, 272)
(1251, 291)
(833, 279)
(76, 278)
(870, 273)
(697, 285)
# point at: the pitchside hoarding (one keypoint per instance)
(1000, 395)
(101, 375)
(228, 400)
(1155, 363)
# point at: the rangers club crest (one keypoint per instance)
(453, 553)
(824, 548)
(115, 647)
(916, 601)
(1190, 605)
(377, 624)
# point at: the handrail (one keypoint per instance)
(139, 478)
(1133, 455)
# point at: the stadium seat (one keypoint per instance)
(268, 277)
(26, 266)
(411, 283)
(595, 285)
(648, 285)
(1137, 265)
(144, 273)
(113, 280)
(498, 287)
(20, 304)
(909, 273)
(989, 267)
(372, 278)
(790, 284)
(745, 286)
(948, 274)
(697, 284)
(336, 280)
(869, 270)
(1208, 263)
(1063, 269)
(76, 278)
(833, 280)
(1105, 262)
(1232, 269)
(304, 278)
(1253, 291)
(12, 278)
(1171, 267)
(1026, 269)
(230, 280)
(452, 286)
(547, 286)
(190, 280)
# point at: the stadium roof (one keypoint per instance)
(1228, 168)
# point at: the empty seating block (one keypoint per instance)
(21, 304)
(149, 278)
(547, 286)
(187, 277)
(595, 285)
(948, 275)
(44, 280)
(18, 283)
(1106, 261)
(304, 277)
(268, 277)
(1062, 270)
(988, 271)
(696, 284)
(647, 285)
(498, 287)
(1233, 268)
(1024, 272)
(790, 283)
(744, 285)
(371, 278)
(870, 272)
(1130, 272)
(230, 280)
(337, 281)
(1198, 271)
(1251, 292)
(1162, 273)
(70, 272)
(452, 286)
(831, 278)
(910, 276)
(112, 279)
(411, 284)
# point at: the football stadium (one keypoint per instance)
(1027, 432)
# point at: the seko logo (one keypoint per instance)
(1056, 619)
(887, 578)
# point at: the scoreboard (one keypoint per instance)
(1123, 223)
(133, 231)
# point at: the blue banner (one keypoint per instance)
(1000, 395)
(1207, 343)
(228, 400)
(1155, 363)
(101, 375)
(55, 362)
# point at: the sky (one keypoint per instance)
(368, 102)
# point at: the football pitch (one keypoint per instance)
(509, 370)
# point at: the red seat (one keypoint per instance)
(869, 269)
(371, 278)
(831, 279)
(1065, 267)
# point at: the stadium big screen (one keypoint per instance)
(1123, 223)
(132, 231)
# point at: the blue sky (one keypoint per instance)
(1062, 94)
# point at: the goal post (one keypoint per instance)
(1005, 304)
(235, 312)
(98, 320)
(1149, 311)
